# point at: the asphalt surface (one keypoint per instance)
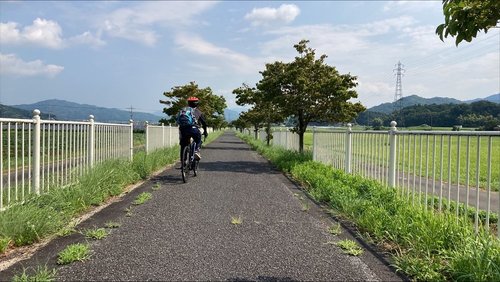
(185, 232)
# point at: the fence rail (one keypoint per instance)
(38, 155)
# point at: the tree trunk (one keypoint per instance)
(301, 131)
(268, 132)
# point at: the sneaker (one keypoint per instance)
(197, 155)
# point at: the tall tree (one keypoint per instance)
(463, 19)
(308, 89)
(210, 104)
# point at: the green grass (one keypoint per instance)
(72, 253)
(426, 245)
(38, 275)
(67, 230)
(142, 198)
(236, 220)
(350, 247)
(335, 229)
(96, 233)
(112, 224)
(4, 243)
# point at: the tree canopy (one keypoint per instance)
(302, 91)
(307, 89)
(463, 19)
(210, 104)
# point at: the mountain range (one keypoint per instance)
(412, 100)
(64, 110)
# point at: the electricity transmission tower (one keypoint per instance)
(131, 112)
(398, 95)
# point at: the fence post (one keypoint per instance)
(131, 139)
(286, 137)
(314, 143)
(36, 152)
(91, 141)
(162, 135)
(348, 149)
(170, 135)
(392, 154)
(146, 129)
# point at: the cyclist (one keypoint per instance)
(192, 130)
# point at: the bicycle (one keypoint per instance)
(188, 161)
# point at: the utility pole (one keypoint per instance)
(398, 104)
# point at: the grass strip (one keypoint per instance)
(426, 245)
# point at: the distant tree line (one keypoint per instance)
(483, 115)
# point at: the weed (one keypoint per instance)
(350, 247)
(128, 212)
(112, 224)
(335, 229)
(96, 233)
(67, 230)
(157, 186)
(4, 243)
(41, 274)
(142, 198)
(74, 252)
(236, 220)
(305, 206)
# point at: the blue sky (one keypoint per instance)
(124, 53)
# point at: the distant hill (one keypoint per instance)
(11, 112)
(64, 110)
(388, 108)
(493, 98)
(231, 114)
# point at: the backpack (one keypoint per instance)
(186, 117)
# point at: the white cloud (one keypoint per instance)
(87, 38)
(286, 13)
(10, 64)
(232, 59)
(137, 23)
(42, 32)
(407, 6)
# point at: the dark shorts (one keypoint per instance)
(188, 132)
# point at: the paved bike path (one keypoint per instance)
(185, 233)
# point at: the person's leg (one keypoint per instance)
(197, 138)
(183, 140)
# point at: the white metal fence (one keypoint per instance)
(433, 169)
(160, 137)
(38, 155)
(283, 137)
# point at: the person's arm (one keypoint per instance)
(203, 124)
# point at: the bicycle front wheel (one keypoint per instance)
(185, 164)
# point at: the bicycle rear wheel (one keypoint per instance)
(185, 164)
